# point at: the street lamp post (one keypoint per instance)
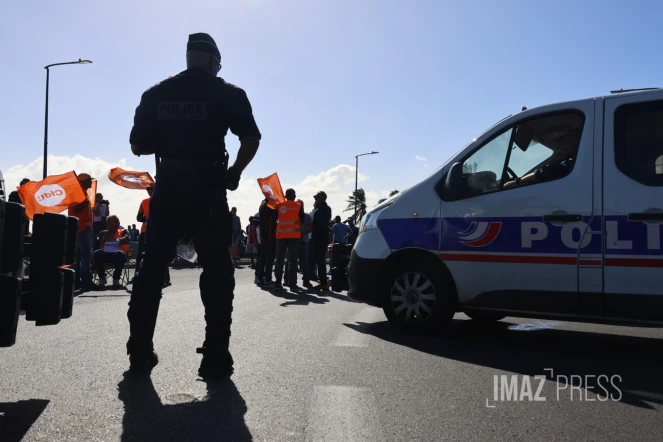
(357, 177)
(46, 112)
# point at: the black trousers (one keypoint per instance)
(266, 260)
(185, 202)
(290, 245)
(320, 252)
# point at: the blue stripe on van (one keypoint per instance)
(505, 235)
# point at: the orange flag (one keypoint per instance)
(271, 188)
(54, 194)
(130, 179)
(92, 193)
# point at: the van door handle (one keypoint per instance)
(645, 216)
(564, 218)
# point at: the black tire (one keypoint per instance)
(440, 297)
(485, 318)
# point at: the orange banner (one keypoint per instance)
(92, 193)
(271, 188)
(52, 194)
(130, 179)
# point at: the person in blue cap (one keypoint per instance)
(183, 121)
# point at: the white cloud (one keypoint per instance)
(420, 158)
(338, 182)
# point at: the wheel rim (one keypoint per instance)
(413, 298)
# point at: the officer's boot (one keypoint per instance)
(217, 361)
(142, 358)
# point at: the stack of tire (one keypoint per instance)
(47, 295)
(340, 258)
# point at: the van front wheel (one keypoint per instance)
(418, 297)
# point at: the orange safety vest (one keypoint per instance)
(84, 217)
(289, 225)
(145, 208)
(119, 233)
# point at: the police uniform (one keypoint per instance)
(184, 119)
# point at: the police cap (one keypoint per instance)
(202, 42)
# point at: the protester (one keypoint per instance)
(354, 231)
(13, 197)
(100, 213)
(251, 241)
(290, 215)
(256, 229)
(312, 263)
(143, 214)
(83, 212)
(340, 231)
(237, 234)
(320, 235)
(114, 245)
(306, 228)
(133, 231)
(267, 245)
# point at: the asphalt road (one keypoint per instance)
(322, 368)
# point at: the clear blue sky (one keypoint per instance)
(327, 79)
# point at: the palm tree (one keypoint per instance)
(361, 205)
(392, 193)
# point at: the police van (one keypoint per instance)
(555, 212)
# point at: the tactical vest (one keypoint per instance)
(191, 117)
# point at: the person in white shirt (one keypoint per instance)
(99, 213)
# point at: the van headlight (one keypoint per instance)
(370, 221)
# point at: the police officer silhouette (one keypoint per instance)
(184, 120)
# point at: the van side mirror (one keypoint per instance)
(455, 182)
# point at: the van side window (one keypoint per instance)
(484, 167)
(536, 150)
(639, 142)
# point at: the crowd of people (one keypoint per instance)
(283, 240)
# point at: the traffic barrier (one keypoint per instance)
(49, 250)
(46, 292)
(2, 224)
(10, 306)
(340, 258)
(11, 253)
(68, 283)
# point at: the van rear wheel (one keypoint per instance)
(418, 297)
(485, 318)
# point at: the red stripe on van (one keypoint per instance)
(633, 262)
(515, 259)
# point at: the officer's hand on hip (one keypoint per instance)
(232, 178)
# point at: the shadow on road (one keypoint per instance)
(16, 418)
(218, 416)
(530, 350)
(299, 297)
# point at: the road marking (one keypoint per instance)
(355, 332)
(341, 413)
